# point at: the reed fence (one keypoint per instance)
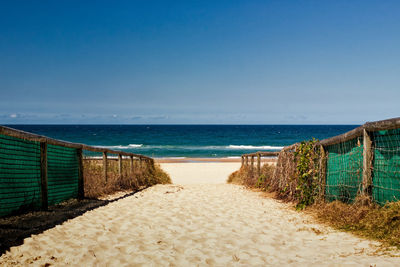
(362, 162)
(37, 171)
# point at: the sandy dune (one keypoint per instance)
(195, 224)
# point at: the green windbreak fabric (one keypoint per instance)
(62, 172)
(19, 175)
(386, 166)
(344, 170)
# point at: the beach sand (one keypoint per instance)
(200, 172)
(201, 221)
(207, 160)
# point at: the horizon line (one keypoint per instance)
(182, 124)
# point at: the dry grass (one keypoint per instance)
(239, 176)
(363, 218)
(143, 175)
(248, 177)
(284, 180)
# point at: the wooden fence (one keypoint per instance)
(365, 160)
(21, 152)
(366, 133)
(258, 155)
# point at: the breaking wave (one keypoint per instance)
(247, 147)
(183, 147)
(130, 146)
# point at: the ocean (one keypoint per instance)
(188, 140)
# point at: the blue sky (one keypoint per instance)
(231, 62)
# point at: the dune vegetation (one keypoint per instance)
(140, 176)
(295, 179)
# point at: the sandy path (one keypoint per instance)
(200, 173)
(195, 224)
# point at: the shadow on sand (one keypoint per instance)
(14, 229)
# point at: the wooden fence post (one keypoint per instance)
(120, 166)
(247, 161)
(367, 164)
(252, 162)
(131, 165)
(258, 164)
(322, 170)
(242, 161)
(105, 166)
(43, 175)
(144, 163)
(148, 164)
(81, 189)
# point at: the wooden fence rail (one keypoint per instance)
(365, 132)
(258, 155)
(45, 141)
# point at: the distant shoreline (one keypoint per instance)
(177, 141)
(205, 160)
(190, 159)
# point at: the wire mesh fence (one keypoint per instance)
(63, 171)
(344, 170)
(93, 172)
(37, 171)
(363, 162)
(284, 179)
(116, 173)
(20, 183)
(386, 166)
(360, 165)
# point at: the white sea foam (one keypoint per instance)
(255, 147)
(183, 147)
(123, 147)
(171, 157)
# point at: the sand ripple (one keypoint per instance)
(207, 224)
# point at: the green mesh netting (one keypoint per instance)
(386, 166)
(62, 172)
(344, 170)
(19, 175)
